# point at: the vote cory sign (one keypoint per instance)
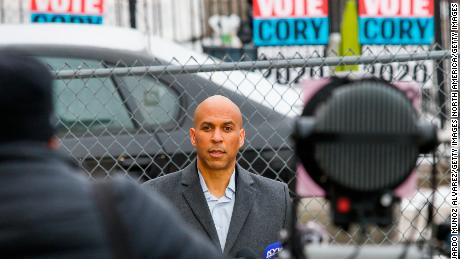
(290, 22)
(396, 22)
(67, 11)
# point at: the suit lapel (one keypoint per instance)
(245, 197)
(194, 197)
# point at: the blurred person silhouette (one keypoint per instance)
(49, 210)
(236, 209)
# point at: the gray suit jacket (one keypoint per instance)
(262, 208)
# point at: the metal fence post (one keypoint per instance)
(132, 13)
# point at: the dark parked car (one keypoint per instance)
(139, 123)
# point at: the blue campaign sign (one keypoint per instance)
(291, 31)
(65, 18)
(396, 30)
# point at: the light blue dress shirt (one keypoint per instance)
(221, 208)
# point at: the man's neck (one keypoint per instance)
(216, 181)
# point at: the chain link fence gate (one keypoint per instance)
(133, 119)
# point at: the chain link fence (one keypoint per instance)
(132, 117)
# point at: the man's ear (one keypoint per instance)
(242, 136)
(192, 136)
(54, 143)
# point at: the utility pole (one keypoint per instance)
(440, 75)
(132, 13)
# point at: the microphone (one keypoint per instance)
(272, 250)
(245, 253)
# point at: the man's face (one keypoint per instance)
(217, 135)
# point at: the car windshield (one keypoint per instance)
(87, 105)
(91, 105)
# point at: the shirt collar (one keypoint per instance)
(229, 191)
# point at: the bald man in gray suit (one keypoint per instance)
(236, 209)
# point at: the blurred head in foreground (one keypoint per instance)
(26, 102)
